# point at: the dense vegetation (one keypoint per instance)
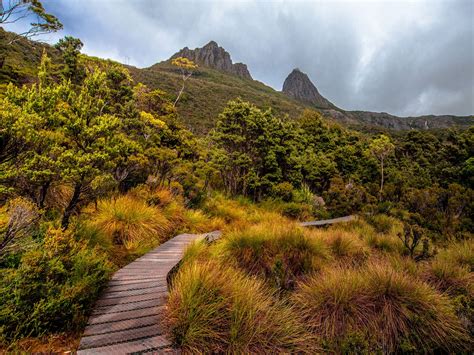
(96, 169)
(275, 287)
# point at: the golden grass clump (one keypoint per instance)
(390, 310)
(129, 221)
(217, 309)
(280, 253)
(344, 245)
(197, 221)
(452, 269)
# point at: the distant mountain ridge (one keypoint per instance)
(299, 87)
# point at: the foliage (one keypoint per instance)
(71, 49)
(15, 10)
(53, 288)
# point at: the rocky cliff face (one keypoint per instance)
(215, 57)
(298, 86)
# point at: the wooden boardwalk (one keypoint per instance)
(126, 319)
(328, 221)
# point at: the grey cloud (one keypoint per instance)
(402, 57)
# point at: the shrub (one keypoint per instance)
(215, 309)
(300, 211)
(279, 253)
(53, 288)
(392, 311)
(284, 191)
(129, 221)
(385, 224)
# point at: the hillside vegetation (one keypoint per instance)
(96, 169)
(208, 92)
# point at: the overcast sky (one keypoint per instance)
(402, 57)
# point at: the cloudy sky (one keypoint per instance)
(404, 57)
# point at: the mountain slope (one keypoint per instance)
(218, 80)
(208, 91)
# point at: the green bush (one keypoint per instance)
(284, 191)
(301, 211)
(53, 289)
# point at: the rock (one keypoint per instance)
(215, 57)
(298, 86)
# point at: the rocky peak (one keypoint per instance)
(215, 57)
(298, 86)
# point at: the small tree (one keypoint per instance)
(381, 148)
(187, 68)
(12, 11)
(411, 237)
(71, 48)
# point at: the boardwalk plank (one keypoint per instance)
(157, 343)
(126, 319)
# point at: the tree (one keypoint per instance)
(381, 148)
(186, 67)
(12, 11)
(71, 48)
(250, 148)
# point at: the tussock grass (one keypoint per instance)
(280, 253)
(215, 309)
(385, 224)
(345, 246)
(452, 269)
(129, 221)
(197, 221)
(239, 213)
(389, 309)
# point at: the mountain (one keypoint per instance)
(218, 80)
(298, 86)
(214, 57)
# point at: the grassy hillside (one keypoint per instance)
(19, 60)
(208, 90)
